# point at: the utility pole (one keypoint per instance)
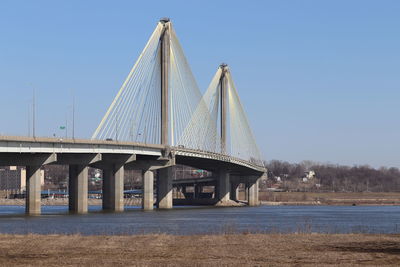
(224, 105)
(73, 116)
(66, 126)
(29, 118)
(165, 62)
(33, 114)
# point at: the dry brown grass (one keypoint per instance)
(200, 250)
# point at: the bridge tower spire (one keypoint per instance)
(165, 42)
(224, 105)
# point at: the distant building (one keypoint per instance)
(14, 178)
(308, 176)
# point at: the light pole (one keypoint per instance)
(33, 114)
(73, 116)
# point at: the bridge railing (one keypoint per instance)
(222, 157)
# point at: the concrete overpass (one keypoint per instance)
(113, 158)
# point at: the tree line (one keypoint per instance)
(334, 178)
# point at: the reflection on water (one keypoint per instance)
(197, 220)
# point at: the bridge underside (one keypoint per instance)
(215, 166)
(113, 158)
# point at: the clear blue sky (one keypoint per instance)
(320, 80)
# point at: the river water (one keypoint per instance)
(205, 220)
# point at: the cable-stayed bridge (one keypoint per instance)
(159, 118)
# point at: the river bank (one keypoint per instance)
(266, 198)
(64, 202)
(200, 250)
(330, 198)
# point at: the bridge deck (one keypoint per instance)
(14, 144)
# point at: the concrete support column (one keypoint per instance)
(78, 188)
(253, 193)
(246, 191)
(113, 188)
(148, 191)
(234, 191)
(164, 188)
(33, 190)
(223, 186)
(197, 191)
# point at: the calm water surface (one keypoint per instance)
(197, 220)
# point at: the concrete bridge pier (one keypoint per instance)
(113, 166)
(148, 190)
(246, 191)
(223, 186)
(197, 190)
(253, 191)
(234, 191)
(147, 167)
(33, 163)
(78, 188)
(164, 188)
(113, 188)
(33, 190)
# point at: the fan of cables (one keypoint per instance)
(194, 120)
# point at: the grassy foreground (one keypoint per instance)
(200, 250)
